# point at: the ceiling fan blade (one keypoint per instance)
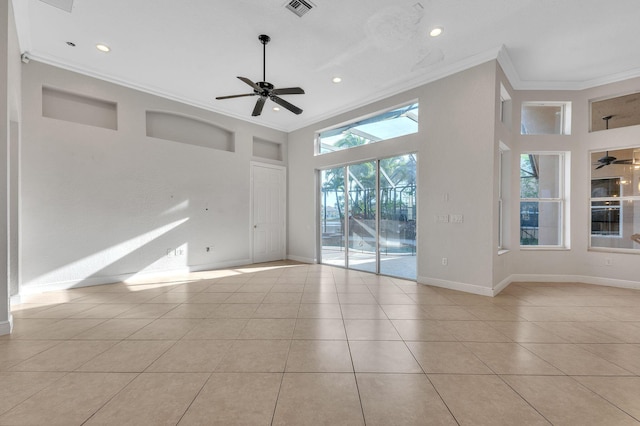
(257, 110)
(600, 166)
(251, 83)
(294, 109)
(288, 91)
(235, 96)
(623, 161)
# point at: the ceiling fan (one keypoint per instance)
(607, 159)
(266, 90)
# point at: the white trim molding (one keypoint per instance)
(301, 259)
(584, 279)
(454, 285)
(176, 275)
(6, 326)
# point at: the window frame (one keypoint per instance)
(565, 120)
(364, 120)
(621, 198)
(562, 199)
(618, 199)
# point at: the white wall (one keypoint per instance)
(15, 112)
(458, 150)
(455, 146)
(504, 135)
(99, 205)
(9, 140)
(150, 195)
(577, 263)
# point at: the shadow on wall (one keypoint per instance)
(91, 269)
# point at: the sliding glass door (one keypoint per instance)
(332, 214)
(398, 216)
(363, 241)
(367, 216)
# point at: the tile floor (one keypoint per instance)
(286, 343)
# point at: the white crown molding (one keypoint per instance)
(403, 86)
(500, 54)
(518, 84)
(49, 60)
(23, 27)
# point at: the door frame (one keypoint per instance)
(282, 169)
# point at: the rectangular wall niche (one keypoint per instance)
(80, 109)
(266, 149)
(623, 110)
(192, 131)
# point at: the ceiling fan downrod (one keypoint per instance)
(264, 39)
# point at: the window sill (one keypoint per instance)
(503, 251)
(544, 248)
(614, 250)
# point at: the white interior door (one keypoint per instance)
(268, 195)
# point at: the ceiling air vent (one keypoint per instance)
(300, 7)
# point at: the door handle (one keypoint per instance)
(255, 226)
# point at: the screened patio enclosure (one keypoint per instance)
(378, 198)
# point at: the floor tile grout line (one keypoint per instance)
(524, 399)
(353, 367)
(195, 397)
(112, 397)
(603, 397)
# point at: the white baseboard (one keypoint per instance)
(502, 285)
(6, 326)
(454, 285)
(548, 278)
(177, 274)
(301, 259)
(543, 278)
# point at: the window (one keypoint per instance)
(615, 199)
(503, 186)
(367, 218)
(546, 118)
(612, 113)
(542, 200)
(605, 206)
(387, 125)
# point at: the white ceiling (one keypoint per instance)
(192, 50)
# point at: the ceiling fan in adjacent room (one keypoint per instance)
(266, 90)
(607, 159)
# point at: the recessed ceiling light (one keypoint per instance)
(276, 109)
(336, 79)
(71, 44)
(103, 47)
(435, 32)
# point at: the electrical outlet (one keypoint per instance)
(442, 218)
(457, 218)
(445, 261)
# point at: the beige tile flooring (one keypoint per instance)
(287, 343)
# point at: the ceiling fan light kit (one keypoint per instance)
(266, 90)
